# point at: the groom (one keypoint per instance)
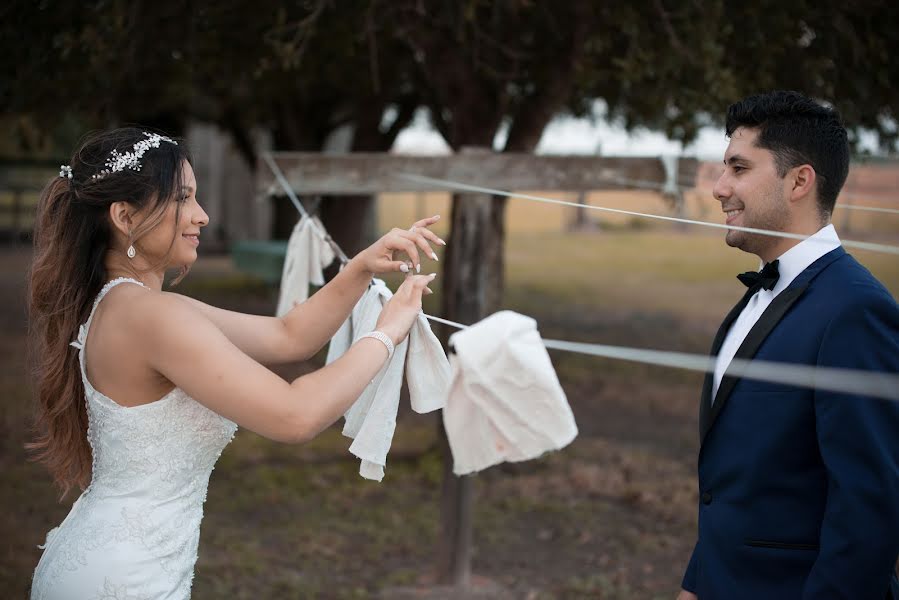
(798, 488)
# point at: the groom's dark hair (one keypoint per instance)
(798, 130)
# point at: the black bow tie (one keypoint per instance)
(766, 278)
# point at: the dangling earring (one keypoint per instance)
(131, 252)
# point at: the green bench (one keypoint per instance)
(261, 258)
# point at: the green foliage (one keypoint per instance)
(675, 66)
(302, 69)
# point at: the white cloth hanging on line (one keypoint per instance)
(371, 421)
(428, 372)
(505, 402)
(308, 253)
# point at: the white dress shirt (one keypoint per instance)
(792, 262)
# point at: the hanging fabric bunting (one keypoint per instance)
(505, 402)
(371, 421)
(308, 253)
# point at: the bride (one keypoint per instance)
(137, 395)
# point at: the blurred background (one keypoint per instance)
(612, 515)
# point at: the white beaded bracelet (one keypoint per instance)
(383, 338)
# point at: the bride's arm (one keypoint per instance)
(301, 332)
(308, 326)
(182, 345)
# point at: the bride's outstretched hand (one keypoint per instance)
(402, 310)
(415, 243)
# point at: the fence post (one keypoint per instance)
(472, 287)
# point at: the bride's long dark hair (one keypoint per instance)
(72, 236)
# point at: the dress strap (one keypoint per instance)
(83, 329)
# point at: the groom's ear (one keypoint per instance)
(803, 180)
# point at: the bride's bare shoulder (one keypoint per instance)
(146, 314)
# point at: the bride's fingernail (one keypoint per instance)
(442, 242)
(418, 268)
(432, 275)
(404, 268)
(434, 256)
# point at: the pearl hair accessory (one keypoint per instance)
(131, 160)
(65, 171)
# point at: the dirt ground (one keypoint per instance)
(611, 516)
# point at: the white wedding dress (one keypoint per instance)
(133, 533)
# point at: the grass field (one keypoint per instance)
(611, 516)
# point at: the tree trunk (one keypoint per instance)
(581, 220)
(472, 290)
(467, 108)
(352, 220)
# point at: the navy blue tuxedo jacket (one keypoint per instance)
(799, 488)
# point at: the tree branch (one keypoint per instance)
(672, 36)
(406, 108)
(537, 110)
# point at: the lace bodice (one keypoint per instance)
(134, 531)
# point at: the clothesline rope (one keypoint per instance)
(299, 206)
(663, 188)
(457, 185)
(893, 211)
(634, 183)
(866, 383)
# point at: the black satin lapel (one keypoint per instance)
(705, 408)
(769, 319)
(728, 321)
(705, 402)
